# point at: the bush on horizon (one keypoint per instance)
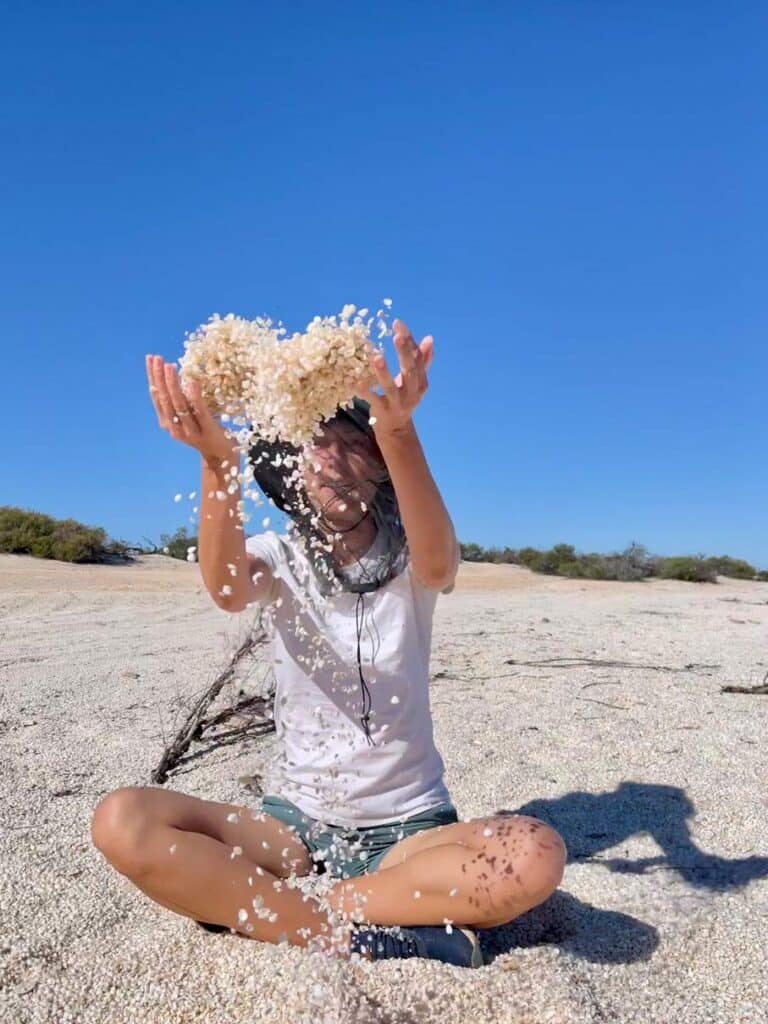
(177, 544)
(28, 532)
(634, 563)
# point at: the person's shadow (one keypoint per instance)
(592, 822)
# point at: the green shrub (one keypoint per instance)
(121, 548)
(550, 561)
(21, 529)
(73, 542)
(177, 543)
(500, 556)
(655, 563)
(40, 547)
(605, 567)
(509, 556)
(503, 556)
(736, 568)
(26, 532)
(531, 558)
(633, 563)
(694, 569)
(472, 553)
(562, 553)
(630, 564)
(573, 568)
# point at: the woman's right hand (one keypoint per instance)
(187, 417)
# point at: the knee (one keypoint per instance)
(548, 857)
(530, 852)
(119, 826)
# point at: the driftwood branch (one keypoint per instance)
(254, 706)
(761, 688)
(575, 662)
(253, 712)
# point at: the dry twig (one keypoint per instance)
(575, 662)
(761, 688)
(196, 723)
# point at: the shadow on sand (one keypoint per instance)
(593, 822)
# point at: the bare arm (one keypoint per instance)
(221, 543)
(431, 536)
(232, 576)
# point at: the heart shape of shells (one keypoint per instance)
(281, 388)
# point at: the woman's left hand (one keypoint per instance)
(393, 410)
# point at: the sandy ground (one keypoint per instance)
(654, 777)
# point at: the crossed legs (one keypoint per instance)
(228, 864)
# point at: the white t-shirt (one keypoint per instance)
(325, 763)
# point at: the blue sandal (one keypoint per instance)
(459, 947)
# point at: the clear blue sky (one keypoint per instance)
(569, 196)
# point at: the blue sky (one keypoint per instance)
(569, 196)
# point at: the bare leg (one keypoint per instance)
(481, 873)
(213, 886)
(210, 868)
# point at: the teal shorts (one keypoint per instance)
(346, 852)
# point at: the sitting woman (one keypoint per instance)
(357, 790)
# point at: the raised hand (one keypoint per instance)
(393, 410)
(185, 415)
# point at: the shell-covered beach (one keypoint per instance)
(595, 706)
